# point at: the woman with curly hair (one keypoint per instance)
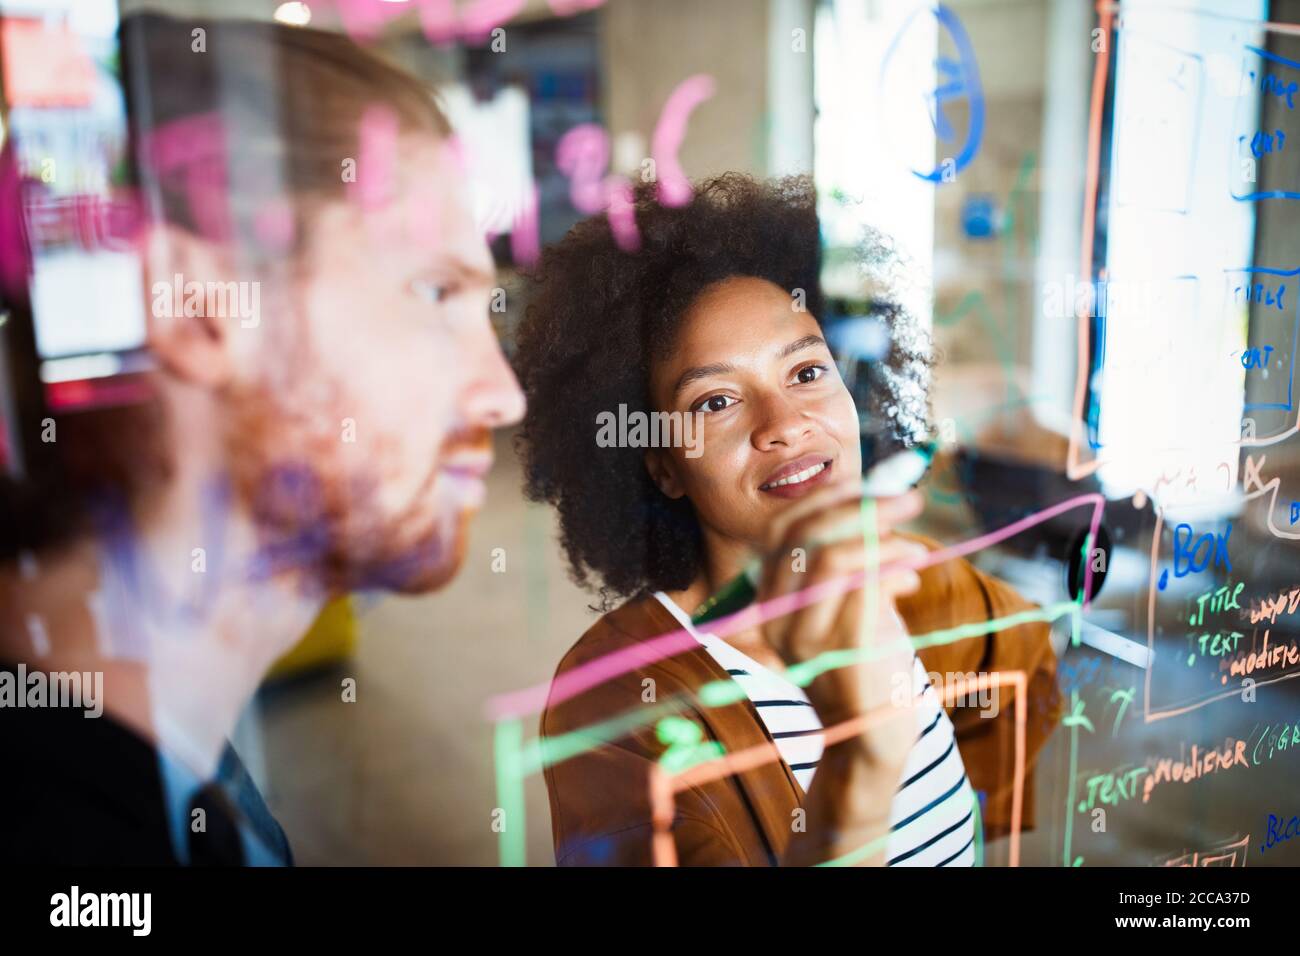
(715, 320)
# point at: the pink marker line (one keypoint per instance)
(582, 154)
(192, 151)
(479, 20)
(621, 212)
(531, 700)
(525, 237)
(442, 23)
(377, 164)
(674, 187)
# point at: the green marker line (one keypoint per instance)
(1074, 720)
(975, 300)
(1011, 225)
(510, 792)
(543, 752)
(515, 760)
(1069, 790)
(861, 853)
(966, 425)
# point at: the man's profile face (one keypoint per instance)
(362, 438)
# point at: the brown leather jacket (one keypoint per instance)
(600, 802)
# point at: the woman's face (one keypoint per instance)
(777, 419)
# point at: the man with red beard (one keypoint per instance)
(337, 441)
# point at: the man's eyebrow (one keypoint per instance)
(467, 272)
(798, 345)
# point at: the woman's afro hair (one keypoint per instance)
(596, 318)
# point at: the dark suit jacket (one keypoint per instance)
(91, 793)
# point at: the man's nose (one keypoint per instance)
(493, 398)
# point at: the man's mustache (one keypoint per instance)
(466, 441)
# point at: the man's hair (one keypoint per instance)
(597, 318)
(290, 99)
(288, 103)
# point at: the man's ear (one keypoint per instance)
(663, 472)
(179, 268)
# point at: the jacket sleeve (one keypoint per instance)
(956, 593)
(600, 795)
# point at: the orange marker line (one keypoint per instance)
(664, 786)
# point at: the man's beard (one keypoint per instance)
(425, 565)
(437, 555)
(329, 525)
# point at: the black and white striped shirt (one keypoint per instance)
(932, 818)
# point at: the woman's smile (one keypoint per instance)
(797, 478)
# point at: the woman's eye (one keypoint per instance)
(714, 403)
(431, 292)
(810, 373)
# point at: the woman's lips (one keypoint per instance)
(802, 482)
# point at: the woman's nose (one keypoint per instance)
(780, 423)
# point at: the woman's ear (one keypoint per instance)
(663, 472)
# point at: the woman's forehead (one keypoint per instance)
(739, 314)
(742, 292)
